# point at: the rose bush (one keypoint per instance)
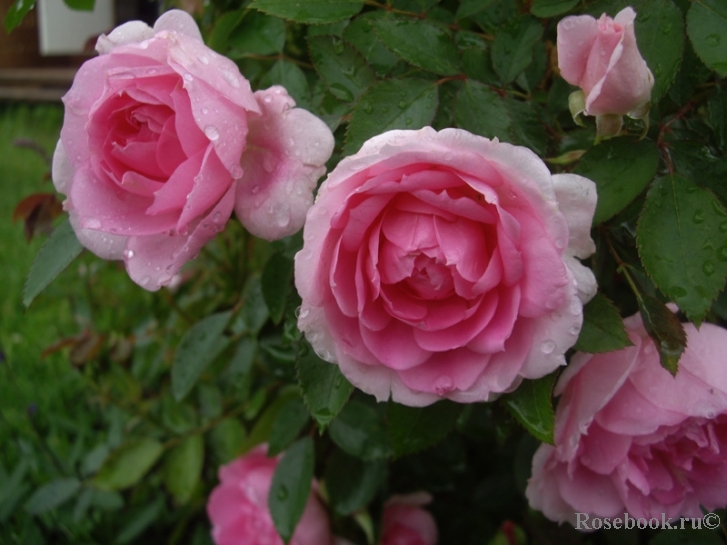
(163, 137)
(602, 58)
(443, 264)
(238, 506)
(629, 437)
(406, 523)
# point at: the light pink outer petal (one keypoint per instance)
(104, 245)
(62, 169)
(542, 490)
(129, 33)
(700, 386)
(286, 154)
(576, 36)
(178, 21)
(577, 198)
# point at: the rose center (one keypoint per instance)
(430, 278)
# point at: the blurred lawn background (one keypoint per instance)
(51, 411)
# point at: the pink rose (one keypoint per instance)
(163, 137)
(630, 438)
(238, 507)
(443, 264)
(602, 58)
(406, 523)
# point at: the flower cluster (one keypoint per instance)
(435, 265)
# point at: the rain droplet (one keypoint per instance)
(713, 40)
(576, 307)
(205, 110)
(231, 78)
(282, 492)
(212, 133)
(92, 223)
(236, 171)
(303, 313)
(144, 281)
(188, 77)
(408, 120)
(402, 104)
(698, 216)
(575, 330)
(128, 254)
(217, 216)
(708, 268)
(722, 254)
(723, 227)
(152, 71)
(204, 60)
(368, 108)
(547, 347)
(255, 189)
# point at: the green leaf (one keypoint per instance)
(526, 126)
(423, 44)
(393, 104)
(81, 5)
(198, 348)
(140, 521)
(257, 34)
(325, 389)
(360, 33)
(17, 12)
(127, 465)
(342, 68)
(290, 76)
(352, 483)
(660, 34)
(532, 406)
(549, 8)
(54, 256)
(224, 25)
(275, 282)
(707, 29)
(621, 168)
(666, 331)
(254, 312)
(226, 439)
(603, 329)
(718, 115)
(482, 111)
(512, 50)
(288, 423)
(681, 240)
(264, 423)
(310, 11)
(412, 429)
(53, 494)
(291, 486)
(360, 430)
(183, 468)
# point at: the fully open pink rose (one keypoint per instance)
(602, 58)
(443, 264)
(163, 137)
(238, 506)
(406, 523)
(630, 438)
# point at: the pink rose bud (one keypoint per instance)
(163, 138)
(602, 58)
(406, 523)
(238, 506)
(445, 265)
(630, 438)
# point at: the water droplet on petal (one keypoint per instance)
(145, 281)
(236, 171)
(212, 133)
(128, 254)
(205, 110)
(188, 77)
(255, 189)
(204, 59)
(92, 223)
(547, 347)
(231, 78)
(217, 216)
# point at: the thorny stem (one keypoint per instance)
(623, 269)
